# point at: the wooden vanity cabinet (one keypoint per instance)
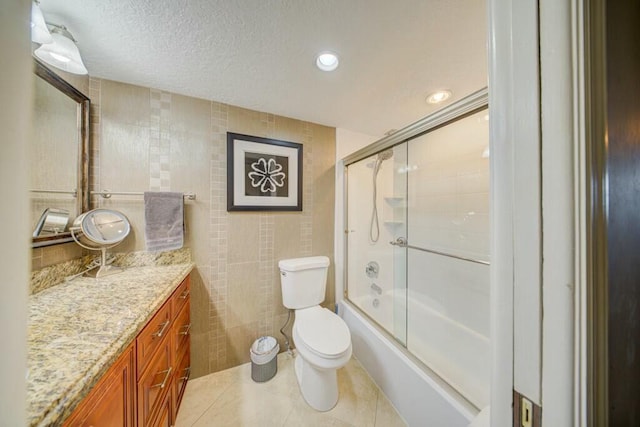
(111, 402)
(148, 380)
(181, 344)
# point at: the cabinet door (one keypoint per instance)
(110, 403)
(164, 417)
(183, 372)
(154, 383)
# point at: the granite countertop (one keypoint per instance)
(78, 329)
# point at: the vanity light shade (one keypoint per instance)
(39, 31)
(62, 53)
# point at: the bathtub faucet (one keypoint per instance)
(377, 289)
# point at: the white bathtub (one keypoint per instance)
(420, 397)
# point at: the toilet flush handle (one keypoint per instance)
(284, 273)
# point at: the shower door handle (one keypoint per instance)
(400, 241)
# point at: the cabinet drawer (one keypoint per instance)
(181, 296)
(151, 337)
(155, 383)
(182, 331)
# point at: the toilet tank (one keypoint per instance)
(303, 281)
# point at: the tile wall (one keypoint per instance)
(147, 139)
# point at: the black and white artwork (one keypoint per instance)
(263, 174)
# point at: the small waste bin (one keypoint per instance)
(264, 363)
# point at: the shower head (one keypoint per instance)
(381, 157)
(385, 155)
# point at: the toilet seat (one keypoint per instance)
(322, 332)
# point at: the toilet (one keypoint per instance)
(321, 337)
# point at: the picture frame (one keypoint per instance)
(263, 174)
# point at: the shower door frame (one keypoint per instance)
(460, 109)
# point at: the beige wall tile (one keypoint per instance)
(244, 302)
(247, 122)
(287, 129)
(36, 259)
(148, 139)
(244, 235)
(124, 157)
(238, 341)
(199, 354)
(60, 253)
(287, 236)
(125, 104)
(190, 114)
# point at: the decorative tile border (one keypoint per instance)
(266, 272)
(306, 232)
(159, 141)
(218, 239)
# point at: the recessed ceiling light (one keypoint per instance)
(439, 96)
(327, 61)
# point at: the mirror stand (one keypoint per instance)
(100, 229)
(103, 268)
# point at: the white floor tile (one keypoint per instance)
(231, 398)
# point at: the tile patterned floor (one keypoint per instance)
(231, 398)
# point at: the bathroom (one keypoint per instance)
(147, 139)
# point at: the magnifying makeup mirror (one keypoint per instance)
(99, 230)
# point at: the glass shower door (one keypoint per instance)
(418, 248)
(376, 216)
(448, 254)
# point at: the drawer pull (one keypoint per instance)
(186, 331)
(159, 332)
(184, 294)
(167, 373)
(187, 373)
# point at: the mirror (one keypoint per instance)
(59, 158)
(98, 230)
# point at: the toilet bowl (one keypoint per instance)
(321, 337)
(323, 344)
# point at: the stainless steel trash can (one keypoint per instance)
(264, 363)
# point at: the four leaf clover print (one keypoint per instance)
(266, 175)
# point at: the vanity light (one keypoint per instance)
(439, 96)
(327, 61)
(39, 31)
(63, 52)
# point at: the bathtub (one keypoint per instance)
(420, 396)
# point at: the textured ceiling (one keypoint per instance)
(260, 54)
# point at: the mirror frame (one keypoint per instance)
(82, 195)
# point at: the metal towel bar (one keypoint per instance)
(106, 194)
(74, 193)
(402, 242)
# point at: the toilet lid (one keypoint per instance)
(323, 331)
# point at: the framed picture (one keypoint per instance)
(263, 174)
